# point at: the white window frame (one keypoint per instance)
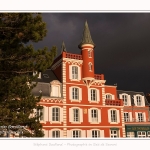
(112, 120)
(90, 95)
(91, 116)
(142, 100)
(90, 53)
(56, 134)
(148, 134)
(127, 117)
(89, 133)
(140, 116)
(76, 134)
(90, 66)
(141, 136)
(52, 91)
(114, 133)
(128, 98)
(130, 134)
(109, 96)
(72, 115)
(60, 113)
(81, 132)
(95, 133)
(125, 99)
(55, 130)
(79, 96)
(56, 114)
(76, 77)
(40, 112)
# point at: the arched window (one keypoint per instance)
(90, 53)
(90, 66)
(55, 134)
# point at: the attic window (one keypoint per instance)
(35, 73)
(45, 75)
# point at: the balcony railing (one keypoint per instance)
(99, 76)
(74, 56)
(114, 102)
(127, 120)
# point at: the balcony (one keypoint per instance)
(114, 102)
(74, 56)
(133, 120)
(99, 76)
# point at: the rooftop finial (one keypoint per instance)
(63, 47)
(86, 38)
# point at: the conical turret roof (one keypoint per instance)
(86, 37)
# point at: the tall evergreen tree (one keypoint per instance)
(18, 60)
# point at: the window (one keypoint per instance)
(56, 134)
(55, 91)
(90, 53)
(76, 115)
(95, 133)
(125, 100)
(94, 115)
(55, 114)
(114, 133)
(40, 114)
(141, 134)
(75, 93)
(74, 72)
(113, 116)
(93, 95)
(130, 134)
(140, 117)
(108, 96)
(35, 73)
(126, 117)
(76, 134)
(139, 100)
(148, 134)
(90, 66)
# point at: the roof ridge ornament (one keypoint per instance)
(86, 37)
(63, 47)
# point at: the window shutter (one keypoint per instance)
(136, 116)
(69, 134)
(98, 97)
(118, 116)
(70, 93)
(135, 101)
(83, 133)
(81, 115)
(89, 94)
(70, 72)
(120, 96)
(109, 116)
(50, 114)
(80, 94)
(99, 115)
(61, 133)
(50, 133)
(130, 117)
(79, 73)
(45, 113)
(61, 114)
(89, 133)
(102, 133)
(143, 101)
(129, 100)
(46, 133)
(89, 115)
(70, 115)
(113, 97)
(144, 117)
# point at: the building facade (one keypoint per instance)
(77, 102)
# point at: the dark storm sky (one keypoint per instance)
(122, 41)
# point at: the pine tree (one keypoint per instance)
(18, 61)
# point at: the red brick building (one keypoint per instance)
(77, 102)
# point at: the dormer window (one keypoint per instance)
(90, 66)
(90, 53)
(55, 89)
(35, 73)
(125, 100)
(139, 100)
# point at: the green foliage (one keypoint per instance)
(18, 60)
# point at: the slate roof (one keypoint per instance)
(43, 84)
(131, 93)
